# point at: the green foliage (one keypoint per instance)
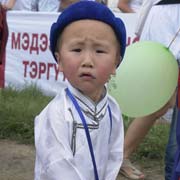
(17, 112)
(154, 144)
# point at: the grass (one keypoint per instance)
(154, 144)
(17, 112)
(19, 108)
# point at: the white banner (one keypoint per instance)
(28, 58)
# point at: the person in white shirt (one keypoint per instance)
(80, 135)
(22, 5)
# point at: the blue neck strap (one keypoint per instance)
(86, 129)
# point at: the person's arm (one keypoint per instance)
(123, 5)
(9, 5)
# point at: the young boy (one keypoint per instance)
(79, 135)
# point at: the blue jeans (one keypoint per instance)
(171, 147)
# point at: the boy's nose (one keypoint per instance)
(88, 60)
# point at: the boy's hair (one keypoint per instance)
(87, 10)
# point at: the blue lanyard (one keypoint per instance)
(86, 129)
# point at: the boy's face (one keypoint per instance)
(88, 53)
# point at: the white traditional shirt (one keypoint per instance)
(62, 151)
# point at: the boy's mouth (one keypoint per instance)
(87, 75)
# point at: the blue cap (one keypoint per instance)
(88, 10)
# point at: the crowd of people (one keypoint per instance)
(40, 5)
(162, 31)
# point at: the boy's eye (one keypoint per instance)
(100, 51)
(77, 50)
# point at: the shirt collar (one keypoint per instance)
(91, 109)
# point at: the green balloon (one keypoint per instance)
(145, 80)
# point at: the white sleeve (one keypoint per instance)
(54, 158)
(116, 147)
(61, 169)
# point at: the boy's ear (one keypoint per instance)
(118, 61)
(58, 61)
(115, 66)
(114, 70)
